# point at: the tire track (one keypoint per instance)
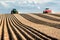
(0, 22)
(52, 16)
(47, 17)
(33, 32)
(2, 34)
(28, 17)
(1, 30)
(15, 30)
(1, 27)
(58, 15)
(43, 19)
(33, 29)
(6, 35)
(9, 32)
(1, 18)
(17, 35)
(12, 32)
(28, 33)
(25, 28)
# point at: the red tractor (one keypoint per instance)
(47, 11)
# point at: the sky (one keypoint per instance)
(29, 6)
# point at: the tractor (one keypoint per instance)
(47, 11)
(14, 11)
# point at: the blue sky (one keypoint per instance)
(29, 6)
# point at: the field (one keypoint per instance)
(29, 26)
